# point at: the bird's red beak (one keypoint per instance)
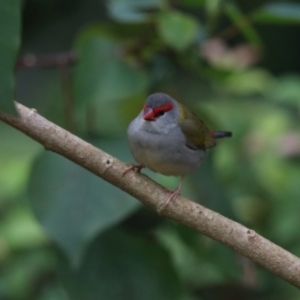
(149, 114)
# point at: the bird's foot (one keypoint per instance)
(135, 168)
(173, 195)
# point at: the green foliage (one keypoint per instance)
(122, 266)
(89, 240)
(101, 76)
(176, 29)
(239, 20)
(72, 204)
(278, 13)
(10, 16)
(131, 10)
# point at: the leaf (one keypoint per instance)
(101, 76)
(21, 231)
(10, 16)
(178, 30)
(72, 204)
(19, 274)
(213, 9)
(190, 263)
(192, 3)
(131, 10)
(251, 81)
(111, 118)
(286, 89)
(122, 266)
(209, 189)
(243, 24)
(17, 152)
(278, 13)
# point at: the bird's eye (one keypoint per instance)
(161, 110)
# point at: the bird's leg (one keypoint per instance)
(174, 194)
(135, 168)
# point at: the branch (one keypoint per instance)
(56, 60)
(237, 237)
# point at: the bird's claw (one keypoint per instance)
(135, 168)
(164, 205)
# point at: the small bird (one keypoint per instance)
(166, 137)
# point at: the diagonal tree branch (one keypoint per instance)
(239, 238)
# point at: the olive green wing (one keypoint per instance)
(196, 132)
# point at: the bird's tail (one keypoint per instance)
(220, 134)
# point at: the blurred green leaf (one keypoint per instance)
(241, 21)
(74, 205)
(131, 10)
(286, 89)
(278, 13)
(208, 188)
(17, 153)
(284, 221)
(21, 231)
(213, 6)
(213, 9)
(121, 266)
(10, 16)
(20, 278)
(192, 3)
(54, 292)
(250, 209)
(114, 119)
(188, 261)
(249, 82)
(177, 29)
(101, 75)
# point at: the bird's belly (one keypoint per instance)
(166, 158)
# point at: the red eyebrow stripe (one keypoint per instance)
(165, 108)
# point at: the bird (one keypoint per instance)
(166, 137)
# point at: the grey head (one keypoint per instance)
(160, 113)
